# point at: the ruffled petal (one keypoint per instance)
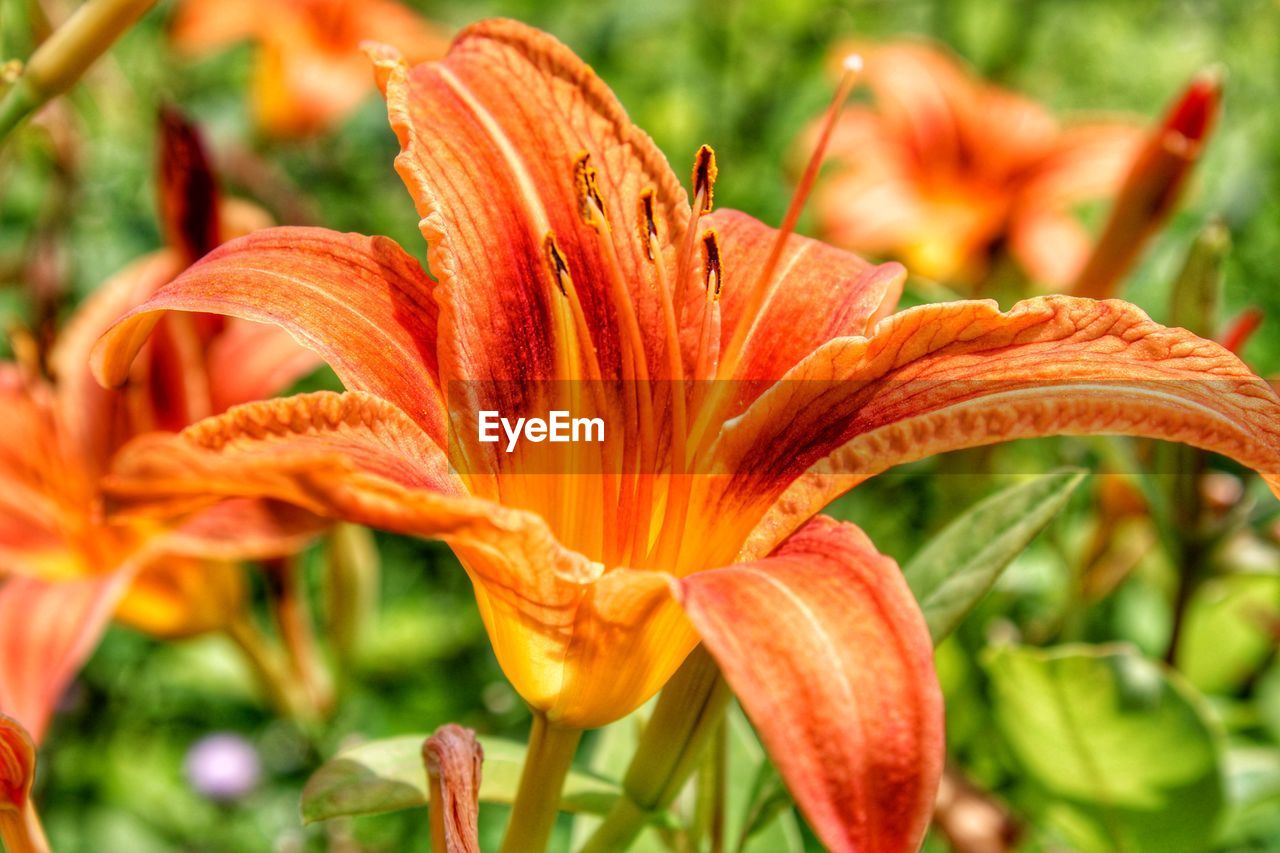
(362, 303)
(962, 374)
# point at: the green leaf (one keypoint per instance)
(1121, 747)
(388, 775)
(952, 573)
(759, 813)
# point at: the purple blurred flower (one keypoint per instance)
(223, 766)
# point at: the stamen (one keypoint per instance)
(709, 333)
(704, 177)
(585, 179)
(675, 508)
(646, 227)
(711, 257)
(763, 287)
(555, 263)
(635, 367)
(704, 182)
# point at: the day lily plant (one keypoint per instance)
(951, 175)
(309, 71)
(746, 377)
(62, 429)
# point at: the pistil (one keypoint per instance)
(760, 292)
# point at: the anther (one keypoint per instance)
(704, 178)
(555, 264)
(588, 189)
(711, 258)
(645, 225)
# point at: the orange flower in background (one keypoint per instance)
(746, 376)
(310, 73)
(947, 172)
(60, 435)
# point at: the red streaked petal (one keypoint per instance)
(948, 376)
(489, 139)
(47, 631)
(819, 293)
(829, 655)
(362, 303)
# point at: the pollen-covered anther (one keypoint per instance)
(711, 262)
(646, 227)
(704, 178)
(587, 188)
(556, 265)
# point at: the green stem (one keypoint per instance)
(293, 620)
(687, 715)
(66, 54)
(537, 803)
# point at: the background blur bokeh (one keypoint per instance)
(745, 76)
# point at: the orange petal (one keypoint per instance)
(1051, 245)
(360, 302)
(948, 376)
(245, 530)
(44, 490)
(829, 655)
(924, 95)
(174, 597)
(91, 414)
(490, 137)
(819, 293)
(556, 624)
(253, 361)
(302, 85)
(1085, 161)
(203, 25)
(394, 24)
(47, 631)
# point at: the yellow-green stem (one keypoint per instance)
(66, 54)
(264, 659)
(687, 715)
(293, 621)
(546, 764)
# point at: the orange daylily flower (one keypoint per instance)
(310, 72)
(60, 435)
(947, 170)
(573, 272)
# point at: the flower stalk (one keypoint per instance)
(537, 803)
(68, 52)
(689, 712)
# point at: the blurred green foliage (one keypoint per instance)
(745, 77)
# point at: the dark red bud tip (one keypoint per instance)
(1195, 112)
